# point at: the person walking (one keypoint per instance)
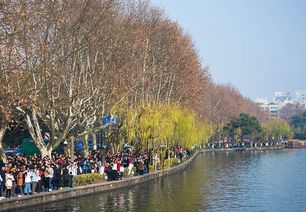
(35, 179)
(71, 172)
(141, 167)
(27, 182)
(20, 182)
(40, 181)
(51, 172)
(2, 174)
(9, 178)
(66, 177)
(46, 179)
(1, 182)
(2, 185)
(14, 173)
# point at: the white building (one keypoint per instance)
(263, 103)
(280, 99)
(300, 97)
(272, 108)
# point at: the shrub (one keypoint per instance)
(86, 179)
(151, 168)
(126, 171)
(134, 169)
(158, 166)
(171, 162)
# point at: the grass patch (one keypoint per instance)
(87, 179)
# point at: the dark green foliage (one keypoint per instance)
(298, 123)
(247, 126)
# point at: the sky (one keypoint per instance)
(258, 46)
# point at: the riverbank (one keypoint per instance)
(252, 149)
(42, 198)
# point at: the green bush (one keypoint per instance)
(134, 169)
(158, 166)
(151, 168)
(175, 162)
(126, 171)
(86, 179)
(167, 163)
(171, 162)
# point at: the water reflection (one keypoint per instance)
(234, 181)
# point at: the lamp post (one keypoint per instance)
(66, 151)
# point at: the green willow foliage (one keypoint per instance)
(276, 129)
(164, 124)
(248, 127)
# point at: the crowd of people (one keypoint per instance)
(28, 175)
(23, 175)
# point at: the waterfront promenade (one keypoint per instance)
(46, 197)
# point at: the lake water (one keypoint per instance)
(216, 181)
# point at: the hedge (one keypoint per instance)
(171, 162)
(86, 179)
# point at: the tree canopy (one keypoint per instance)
(243, 127)
(298, 124)
(64, 64)
(276, 129)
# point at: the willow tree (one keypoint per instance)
(204, 132)
(276, 129)
(185, 131)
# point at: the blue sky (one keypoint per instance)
(258, 46)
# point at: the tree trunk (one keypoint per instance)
(35, 132)
(63, 133)
(44, 152)
(67, 150)
(49, 151)
(72, 148)
(2, 154)
(94, 141)
(86, 151)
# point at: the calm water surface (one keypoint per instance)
(236, 181)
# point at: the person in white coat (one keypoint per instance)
(9, 178)
(27, 182)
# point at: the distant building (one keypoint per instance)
(274, 110)
(263, 103)
(281, 97)
(271, 108)
(300, 97)
(281, 100)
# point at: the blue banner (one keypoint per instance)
(106, 119)
(79, 145)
